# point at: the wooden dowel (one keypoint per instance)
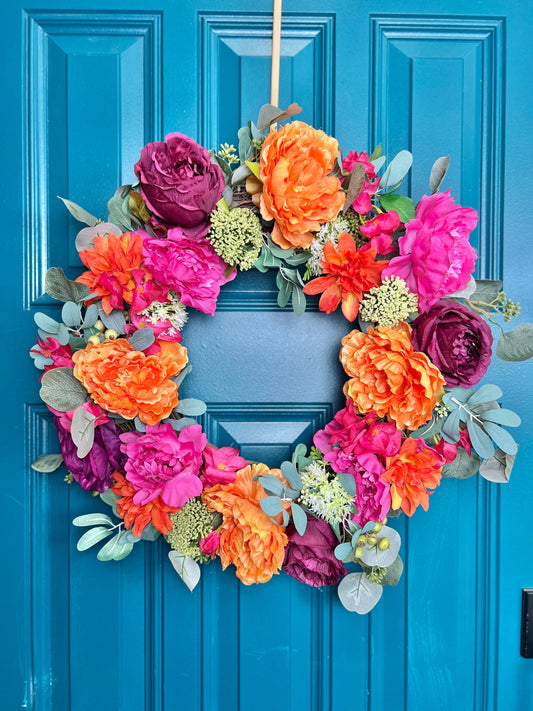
(276, 46)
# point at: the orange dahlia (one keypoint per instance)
(248, 538)
(348, 273)
(389, 377)
(299, 193)
(115, 269)
(139, 516)
(128, 382)
(410, 473)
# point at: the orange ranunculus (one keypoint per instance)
(389, 377)
(128, 382)
(410, 473)
(116, 269)
(299, 193)
(248, 538)
(156, 512)
(348, 273)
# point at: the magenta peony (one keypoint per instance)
(221, 465)
(190, 267)
(311, 558)
(179, 183)
(209, 545)
(380, 229)
(436, 257)
(162, 462)
(362, 203)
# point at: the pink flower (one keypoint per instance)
(65, 418)
(362, 203)
(221, 465)
(436, 256)
(164, 463)
(188, 266)
(380, 230)
(209, 544)
(51, 348)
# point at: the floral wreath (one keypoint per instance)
(284, 200)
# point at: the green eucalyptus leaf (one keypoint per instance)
(348, 483)
(63, 335)
(114, 320)
(181, 376)
(271, 484)
(85, 237)
(269, 114)
(438, 173)
(503, 439)
(298, 301)
(291, 475)
(271, 505)
(150, 533)
(498, 468)
(240, 174)
(378, 163)
(57, 286)
(141, 339)
(487, 290)
(94, 519)
(298, 258)
(191, 407)
(358, 594)
(71, 314)
(178, 425)
(245, 143)
(376, 153)
(372, 555)
(429, 430)
(285, 516)
(61, 390)
(45, 323)
(108, 550)
(270, 260)
(501, 416)
(404, 206)
(394, 573)
(91, 316)
(397, 170)
(109, 497)
(284, 294)
(481, 442)
(79, 213)
(124, 550)
(463, 466)
(485, 393)
(92, 537)
(344, 551)
(47, 463)
(516, 345)
(299, 518)
(82, 431)
(187, 568)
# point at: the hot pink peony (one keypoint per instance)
(163, 463)
(436, 256)
(362, 203)
(190, 267)
(221, 465)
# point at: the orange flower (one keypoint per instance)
(350, 271)
(298, 192)
(116, 269)
(155, 512)
(389, 377)
(410, 473)
(248, 538)
(128, 382)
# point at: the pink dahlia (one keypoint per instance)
(188, 266)
(221, 465)
(362, 203)
(162, 462)
(436, 257)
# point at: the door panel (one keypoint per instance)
(84, 90)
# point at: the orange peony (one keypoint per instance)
(128, 382)
(389, 377)
(410, 473)
(299, 193)
(248, 538)
(116, 269)
(155, 512)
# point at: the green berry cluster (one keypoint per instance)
(389, 303)
(509, 309)
(236, 236)
(228, 153)
(189, 525)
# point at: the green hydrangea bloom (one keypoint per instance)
(189, 525)
(389, 303)
(236, 236)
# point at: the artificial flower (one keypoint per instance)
(389, 377)
(458, 341)
(323, 494)
(190, 267)
(209, 545)
(190, 526)
(180, 183)
(165, 317)
(248, 538)
(436, 257)
(311, 558)
(389, 303)
(299, 193)
(128, 382)
(221, 465)
(411, 474)
(162, 462)
(380, 229)
(349, 272)
(139, 516)
(362, 203)
(116, 269)
(61, 356)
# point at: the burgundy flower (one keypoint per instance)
(310, 558)
(458, 341)
(95, 471)
(179, 183)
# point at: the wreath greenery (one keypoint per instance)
(284, 200)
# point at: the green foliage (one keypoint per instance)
(393, 573)
(498, 468)
(438, 173)
(58, 287)
(191, 407)
(187, 568)
(404, 206)
(516, 345)
(141, 339)
(82, 431)
(463, 466)
(114, 320)
(47, 463)
(358, 594)
(61, 390)
(79, 213)
(396, 171)
(94, 519)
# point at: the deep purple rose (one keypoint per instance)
(95, 471)
(179, 183)
(310, 558)
(457, 340)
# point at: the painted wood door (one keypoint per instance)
(85, 85)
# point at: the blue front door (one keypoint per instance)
(84, 89)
